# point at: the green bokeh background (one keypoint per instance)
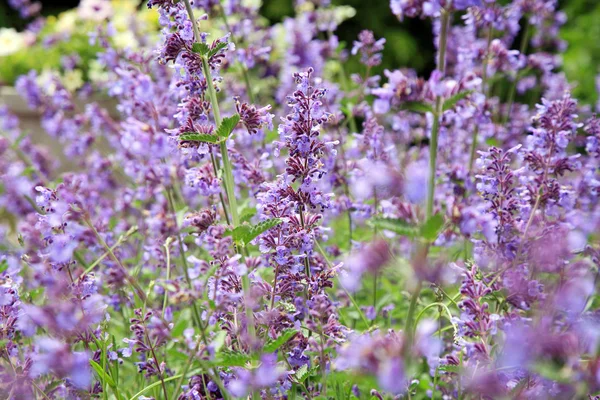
(410, 44)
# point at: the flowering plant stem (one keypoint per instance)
(445, 21)
(433, 147)
(228, 181)
(137, 289)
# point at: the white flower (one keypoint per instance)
(95, 10)
(11, 41)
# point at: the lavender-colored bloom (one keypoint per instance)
(369, 48)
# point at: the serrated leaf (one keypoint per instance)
(198, 137)
(285, 336)
(451, 102)
(231, 359)
(302, 373)
(432, 227)
(245, 233)
(227, 126)
(417, 106)
(396, 225)
(200, 48)
(449, 368)
(104, 377)
(219, 341)
(218, 47)
(247, 214)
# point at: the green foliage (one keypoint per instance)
(451, 102)
(40, 58)
(227, 126)
(199, 137)
(432, 227)
(200, 48)
(396, 225)
(285, 337)
(245, 233)
(428, 231)
(582, 58)
(417, 106)
(104, 377)
(204, 50)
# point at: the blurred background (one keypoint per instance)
(410, 43)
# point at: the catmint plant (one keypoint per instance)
(262, 210)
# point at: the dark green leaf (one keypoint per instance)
(200, 48)
(432, 227)
(285, 337)
(451, 102)
(396, 225)
(417, 106)
(198, 137)
(227, 126)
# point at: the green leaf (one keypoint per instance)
(231, 359)
(396, 225)
(218, 47)
(247, 213)
(449, 368)
(285, 336)
(451, 102)
(417, 106)
(200, 48)
(432, 227)
(227, 126)
(302, 373)
(104, 377)
(245, 233)
(198, 137)
(219, 341)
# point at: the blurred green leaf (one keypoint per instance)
(396, 225)
(432, 227)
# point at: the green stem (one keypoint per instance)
(354, 303)
(138, 290)
(184, 263)
(306, 260)
(228, 182)
(433, 147)
(168, 251)
(160, 373)
(409, 327)
(227, 171)
(436, 304)
(188, 8)
(120, 241)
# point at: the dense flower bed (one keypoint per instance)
(256, 223)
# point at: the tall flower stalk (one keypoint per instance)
(228, 181)
(439, 102)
